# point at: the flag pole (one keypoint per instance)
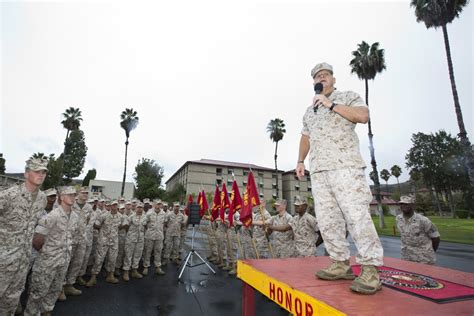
(264, 227)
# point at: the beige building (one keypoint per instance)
(205, 174)
(111, 189)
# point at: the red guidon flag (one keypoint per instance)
(202, 201)
(216, 204)
(235, 202)
(250, 200)
(190, 201)
(225, 204)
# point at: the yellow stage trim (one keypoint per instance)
(296, 302)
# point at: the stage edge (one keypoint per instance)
(294, 301)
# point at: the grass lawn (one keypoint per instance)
(451, 229)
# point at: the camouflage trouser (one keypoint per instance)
(305, 249)
(283, 248)
(45, 286)
(231, 246)
(120, 252)
(221, 233)
(155, 246)
(133, 253)
(12, 284)
(93, 251)
(77, 256)
(86, 260)
(182, 238)
(172, 246)
(109, 251)
(262, 245)
(211, 238)
(341, 198)
(247, 244)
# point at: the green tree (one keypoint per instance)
(439, 160)
(2, 164)
(148, 175)
(129, 121)
(397, 172)
(54, 175)
(438, 13)
(277, 130)
(72, 118)
(75, 153)
(177, 193)
(385, 175)
(91, 174)
(368, 61)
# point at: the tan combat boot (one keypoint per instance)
(135, 274)
(234, 270)
(45, 314)
(145, 271)
(227, 268)
(368, 282)
(70, 290)
(80, 280)
(62, 296)
(125, 276)
(111, 278)
(159, 271)
(336, 271)
(92, 281)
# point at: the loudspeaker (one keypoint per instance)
(194, 217)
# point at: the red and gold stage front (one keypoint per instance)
(291, 283)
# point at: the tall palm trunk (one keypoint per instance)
(276, 169)
(469, 160)
(399, 190)
(125, 168)
(378, 197)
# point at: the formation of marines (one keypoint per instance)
(53, 236)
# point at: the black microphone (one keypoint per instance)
(318, 88)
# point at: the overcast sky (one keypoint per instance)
(206, 77)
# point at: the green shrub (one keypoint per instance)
(462, 214)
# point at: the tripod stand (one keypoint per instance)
(189, 258)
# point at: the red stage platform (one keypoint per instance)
(291, 283)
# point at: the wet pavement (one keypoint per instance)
(200, 292)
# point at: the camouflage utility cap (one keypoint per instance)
(319, 67)
(407, 199)
(50, 192)
(37, 164)
(84, 190)
(280, 202)
(67, 190)
(299, 200)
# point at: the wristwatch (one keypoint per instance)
(332, 106)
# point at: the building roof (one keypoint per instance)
(222, 163)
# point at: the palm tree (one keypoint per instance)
(368, 61)
(72, 120)
(436, 13)
(385, 175)
(277, 130)
(396, 172)
(129, 120)
(38, 155)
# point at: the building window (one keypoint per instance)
(219, 181)
(260, 185)
(274, 186)
(219, 171)
(274, 195)
(297, 187)
(229, 182)
(246, 173)
(309, 189)
(245, 182)
(274, 175)
(261, 195)
(260, 174)
(308, 178)
(230, 171)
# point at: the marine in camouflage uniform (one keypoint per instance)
(283, 245)
(208, 228)
(419, 236)
(341, 194)
(122, 235)
(79, 243)
(20, 208)
(90, 231)
(184, 229)
(258, 230)
(174, 220)
(107, 244)
(306, 230)
(134, 242)
(155, 221)
(53, 236)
